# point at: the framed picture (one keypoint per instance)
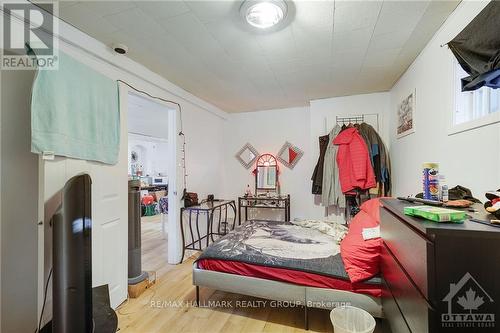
(247, 155)
(290, 155)
(406, 115)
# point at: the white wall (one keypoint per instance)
(202, 122)
(325, 111)
(148, 133)
(268, 130)
(200, 126)
(153, 154)
(147, 117)
(470, 158)
(109, 214)
(19, 206)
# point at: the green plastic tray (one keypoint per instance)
(436, 214)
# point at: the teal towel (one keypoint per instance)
(75, 113)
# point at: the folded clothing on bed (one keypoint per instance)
(281, 251)
(332, 228)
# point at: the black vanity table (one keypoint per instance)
(267, 190)
(263, 202)
(209, 210)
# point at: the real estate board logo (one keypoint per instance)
(468, 305)
(28, 40)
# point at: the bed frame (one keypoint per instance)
(280, 291)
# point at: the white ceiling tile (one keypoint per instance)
(352, 39)
(162, 9)
(238, 43)
(321, 41)
(348, 58)
(206, 48)
(193, 35)
(305, 81)
(227, 70)
(104, 8)
(381, 58)
(119, 36)
(64, 4)
(135, 22)
(318, 13)
(396, 15)
(288, 65)
(95, 25)
(341, 72)
(258, 68)
(241, 51)
(75, 10)
(277, 44)
(267, 86)
(374, 77)
(210, 11)
(352, 15)
(408, 8)
(391, 40)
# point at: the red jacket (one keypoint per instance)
(355, 168)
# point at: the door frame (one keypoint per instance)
(175, 172)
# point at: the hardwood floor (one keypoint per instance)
(169, 305)
(154, 246)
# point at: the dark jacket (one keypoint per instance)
(379, 156)
(317, 177)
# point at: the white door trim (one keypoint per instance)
(175, 172)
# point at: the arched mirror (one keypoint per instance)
(266, 173)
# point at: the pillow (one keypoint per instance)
(372, 207)
(361, 257)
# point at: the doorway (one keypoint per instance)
(152, 164)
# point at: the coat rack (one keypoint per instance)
(369, 118)
(347, 120)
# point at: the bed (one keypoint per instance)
(283, 262)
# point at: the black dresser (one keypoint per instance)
(439, 277)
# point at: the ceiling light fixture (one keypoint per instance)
(263, 14)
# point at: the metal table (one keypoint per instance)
(278, 202)
(208, 209)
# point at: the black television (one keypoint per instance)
(72, 259)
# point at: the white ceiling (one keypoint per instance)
(147, 117)
(328, 48)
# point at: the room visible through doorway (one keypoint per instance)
(151, 159)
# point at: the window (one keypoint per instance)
(470, 106)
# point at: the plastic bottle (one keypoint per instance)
(441, 181)
(248, 191)
(443, 189)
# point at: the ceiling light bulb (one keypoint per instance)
(265, 14)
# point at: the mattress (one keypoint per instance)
(284, 252)
(289, 276)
